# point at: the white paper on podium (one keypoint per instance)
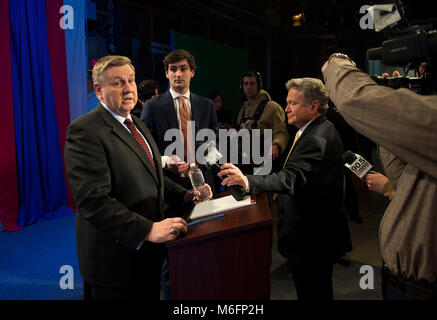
(207, 208)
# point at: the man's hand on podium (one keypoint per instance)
(167, 230)
(233, 176)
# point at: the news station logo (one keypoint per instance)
(360, 167)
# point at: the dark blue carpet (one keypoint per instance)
(31, 259)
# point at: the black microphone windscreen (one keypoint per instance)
(348, 157)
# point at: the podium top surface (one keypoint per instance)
(235, 220)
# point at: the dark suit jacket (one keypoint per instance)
(118, 194)
(159, 115)
(311, 221)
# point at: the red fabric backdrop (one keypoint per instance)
(9, 197)
(8, 167)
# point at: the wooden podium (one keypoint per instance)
(224, 259)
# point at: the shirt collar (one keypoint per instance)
(175, 94)
(302, 129)
(121, 119)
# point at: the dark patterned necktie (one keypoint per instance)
(140, 139)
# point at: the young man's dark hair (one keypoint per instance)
(179, 55)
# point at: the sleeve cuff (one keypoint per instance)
(164, 161)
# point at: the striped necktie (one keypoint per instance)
(140, 139)
(184, 116)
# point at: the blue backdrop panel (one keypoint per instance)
(77, 60)
(41, 180)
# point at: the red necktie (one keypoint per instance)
(140, 139)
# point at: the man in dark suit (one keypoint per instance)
(179, 108)
(114, 171)
(312, 228)
(173, 108)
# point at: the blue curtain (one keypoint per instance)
(77, 60)
(42, 189)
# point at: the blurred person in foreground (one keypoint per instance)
(404, 125)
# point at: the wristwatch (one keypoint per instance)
(341, 56)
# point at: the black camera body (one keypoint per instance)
(420, 85)
(411, 47)
(408, 46)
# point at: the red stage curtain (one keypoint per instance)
(8, 163)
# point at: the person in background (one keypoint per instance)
(259, 111)
(224, 115)
(177, 108)
(147, 89)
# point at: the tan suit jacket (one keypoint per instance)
(405, 124)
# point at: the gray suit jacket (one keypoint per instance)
(118, 194)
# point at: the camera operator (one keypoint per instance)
(405, 125)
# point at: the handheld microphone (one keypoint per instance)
(212, 157)
(356, 163)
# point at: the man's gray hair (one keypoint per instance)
(106, 62)
(311, 89)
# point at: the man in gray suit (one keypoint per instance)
(114, 170)
(312, 227)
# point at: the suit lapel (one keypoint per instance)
(169, 110)
(307, 131)
(127, 138)
(156, 155)
(195, 109)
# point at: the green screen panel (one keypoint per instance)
(219, 67)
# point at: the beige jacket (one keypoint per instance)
(404, 123)
(273, 118)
